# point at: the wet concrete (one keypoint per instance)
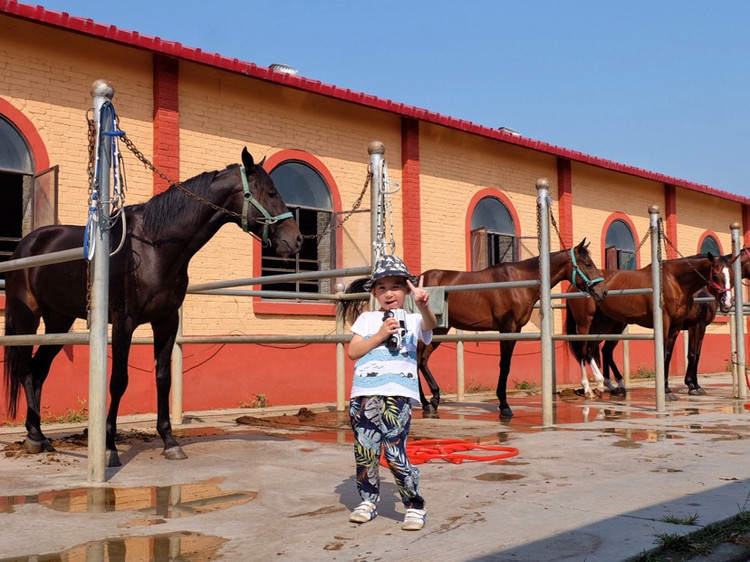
(599, 485)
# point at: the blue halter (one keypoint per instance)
(577, 271)
(267, 219)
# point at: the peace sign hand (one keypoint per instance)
(421, 296)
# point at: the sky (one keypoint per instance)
(656, 84)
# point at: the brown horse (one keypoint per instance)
(701, 315)
(503, 310)
(681, 278)
(148, 282)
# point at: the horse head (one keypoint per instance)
(720, 280)
(585, 275)
(264, 212)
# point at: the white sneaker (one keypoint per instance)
(414, 519)
(364, 512)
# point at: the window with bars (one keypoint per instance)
(619, 246)
(309, 199)
(493, 234)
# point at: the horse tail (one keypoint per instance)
(353, 308)
(576, 347)
(11, 366)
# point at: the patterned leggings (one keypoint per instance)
(380, 421)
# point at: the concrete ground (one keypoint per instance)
(602, 484)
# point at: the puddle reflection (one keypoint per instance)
(179, 546)
(166, 502)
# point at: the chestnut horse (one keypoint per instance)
(701, 315)
(148, 282)
(681, 278)
(503, 310)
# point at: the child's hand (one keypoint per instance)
(421, 296)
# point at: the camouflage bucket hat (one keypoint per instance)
(388, 266)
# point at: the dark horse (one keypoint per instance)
(148, 282)
(503, 310)
(681, 279)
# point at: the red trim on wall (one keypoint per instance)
(301, 308)
(670, 213)
(617, 215)
(411, 194)
(478, 196)
(565, 200)
(746, 225)
(166, 120)
(30, 134)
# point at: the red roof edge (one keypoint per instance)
(155, 44)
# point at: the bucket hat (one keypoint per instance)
(388, 266)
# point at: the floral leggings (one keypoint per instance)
(383, 421)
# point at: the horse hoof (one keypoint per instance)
(174, 453)
(506, 413)
(113, 459)
(671, 396)
(701, 391)
(34, 447)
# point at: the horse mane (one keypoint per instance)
(162, 208)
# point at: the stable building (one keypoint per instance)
(467, 200)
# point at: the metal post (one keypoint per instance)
(102, 92)
(340, 356)
(657, 308)
(376, 149)
(460, 370)
(739, 316)
(626, 359)
(545, 301)
(177, 375)
(733, 352)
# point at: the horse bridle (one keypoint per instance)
(267, 220)
(578, 271)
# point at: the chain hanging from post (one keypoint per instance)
(119, 186)
(385, 207)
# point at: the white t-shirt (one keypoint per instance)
(381, 372)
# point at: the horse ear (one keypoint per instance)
(247, 161)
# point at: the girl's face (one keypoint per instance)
(390, 292)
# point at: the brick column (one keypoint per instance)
(411, 196)
(565, 203)
(166, 120)
(670, 219)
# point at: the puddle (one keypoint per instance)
(639, 435)
(165, 502)
(182, 546)
(499, 477)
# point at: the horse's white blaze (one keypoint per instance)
(726, 298)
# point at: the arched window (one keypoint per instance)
(26, 201)
(308, 197)
(493, 234)
(619, 246)
(710, 244)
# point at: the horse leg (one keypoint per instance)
(165, 332)
(122, 336)
(39, 366)
(585, 379)
(428, 407)
(696, 334)
(668, 349)
(506, 354)
(595, 361)
(608, 362)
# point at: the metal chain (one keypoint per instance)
(668, 241)
(345, 217)
(635, 253)
(554, 225)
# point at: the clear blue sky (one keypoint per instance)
(658, 84)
